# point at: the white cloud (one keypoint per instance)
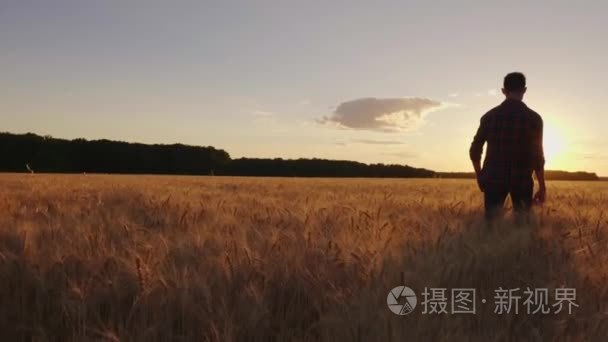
(386, 115)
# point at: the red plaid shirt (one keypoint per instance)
(514, 134)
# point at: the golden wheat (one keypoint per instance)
(157, 258)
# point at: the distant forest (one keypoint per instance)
(34, 153)
(24, 152)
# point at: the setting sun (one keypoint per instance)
(553, 142)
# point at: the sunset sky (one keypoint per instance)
(376, 81)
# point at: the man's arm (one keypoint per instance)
(539, 163)
(476, 150)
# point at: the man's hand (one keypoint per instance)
(479, 183)
(477, 167)
(540, 196)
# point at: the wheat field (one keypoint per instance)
(165, 258)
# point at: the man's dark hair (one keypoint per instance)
(515, 81)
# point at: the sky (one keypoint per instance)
(401, 82)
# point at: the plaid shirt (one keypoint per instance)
(514, 135)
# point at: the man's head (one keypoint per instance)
(514, 85)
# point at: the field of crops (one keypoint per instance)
(155, 258)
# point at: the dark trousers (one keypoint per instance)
(494, 202)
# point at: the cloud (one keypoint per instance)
(377, 142)
(492, 92)
(385, 115)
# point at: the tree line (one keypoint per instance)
(24, 152)
(47, 154)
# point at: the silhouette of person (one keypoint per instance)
(513, 133)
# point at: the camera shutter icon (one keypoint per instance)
(401, 300)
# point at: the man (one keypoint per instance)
(513, 133)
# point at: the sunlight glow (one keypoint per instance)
(554, 144)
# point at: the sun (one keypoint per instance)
(553, 142)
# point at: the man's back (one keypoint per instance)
(513, 133)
